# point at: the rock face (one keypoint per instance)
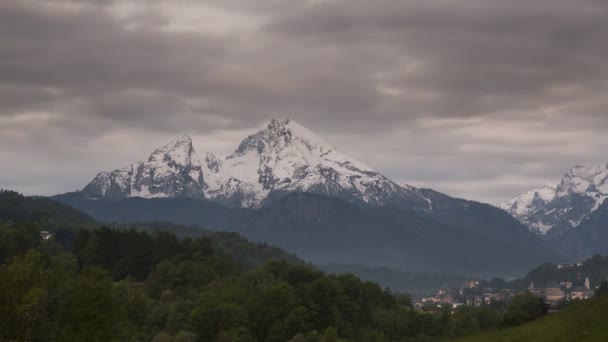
(553, 212)
(282, 158)
(173, 170)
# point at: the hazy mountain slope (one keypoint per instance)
(329, 230)
(590, 237)
(415, 283)
(185, 211)
(480, 218)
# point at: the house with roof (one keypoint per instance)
(554, 293)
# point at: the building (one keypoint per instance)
(554, 293)
(46, 235)
(533, 290)
(581, 293)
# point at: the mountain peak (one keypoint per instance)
(276, 123)
(183, 139)
(178, 150)
(279, 134)
(584, 178)
(173, 170)
(290, 127)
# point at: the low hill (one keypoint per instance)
(584, 321)
(19, 213)
(48, 214)
(229, 244)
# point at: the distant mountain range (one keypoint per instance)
(572, 216)
(554, 210)
(285, 185)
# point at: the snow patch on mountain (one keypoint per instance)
(526, 204)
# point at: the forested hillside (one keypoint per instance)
(129, 285)
(49, 214)
(139, 282)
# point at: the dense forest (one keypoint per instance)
(108, 284)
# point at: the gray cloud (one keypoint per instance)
(482, 99)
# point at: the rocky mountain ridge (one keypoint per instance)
(553, 211)
(282, 158)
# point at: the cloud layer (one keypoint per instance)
(477, 98)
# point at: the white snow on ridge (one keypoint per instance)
(529, 202)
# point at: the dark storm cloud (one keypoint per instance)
(474, 97)
(476, 57)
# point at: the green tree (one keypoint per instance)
(17, 239)
(186, 336)
(90, 310)
(488, 317)
(162, 337)
(330, 335)
(602, 290)
(25, 293)
(298, 321)
(464, 322)
(524, 308)
(212, 317)
(270, 304)
(373, 336)
(241, 334)
(405, 300)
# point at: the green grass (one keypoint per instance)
(585, 321)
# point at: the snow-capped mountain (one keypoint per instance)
(173, 170)
(528, 203)
(284, 157)
(552, 212)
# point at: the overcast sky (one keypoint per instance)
(480, 99)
